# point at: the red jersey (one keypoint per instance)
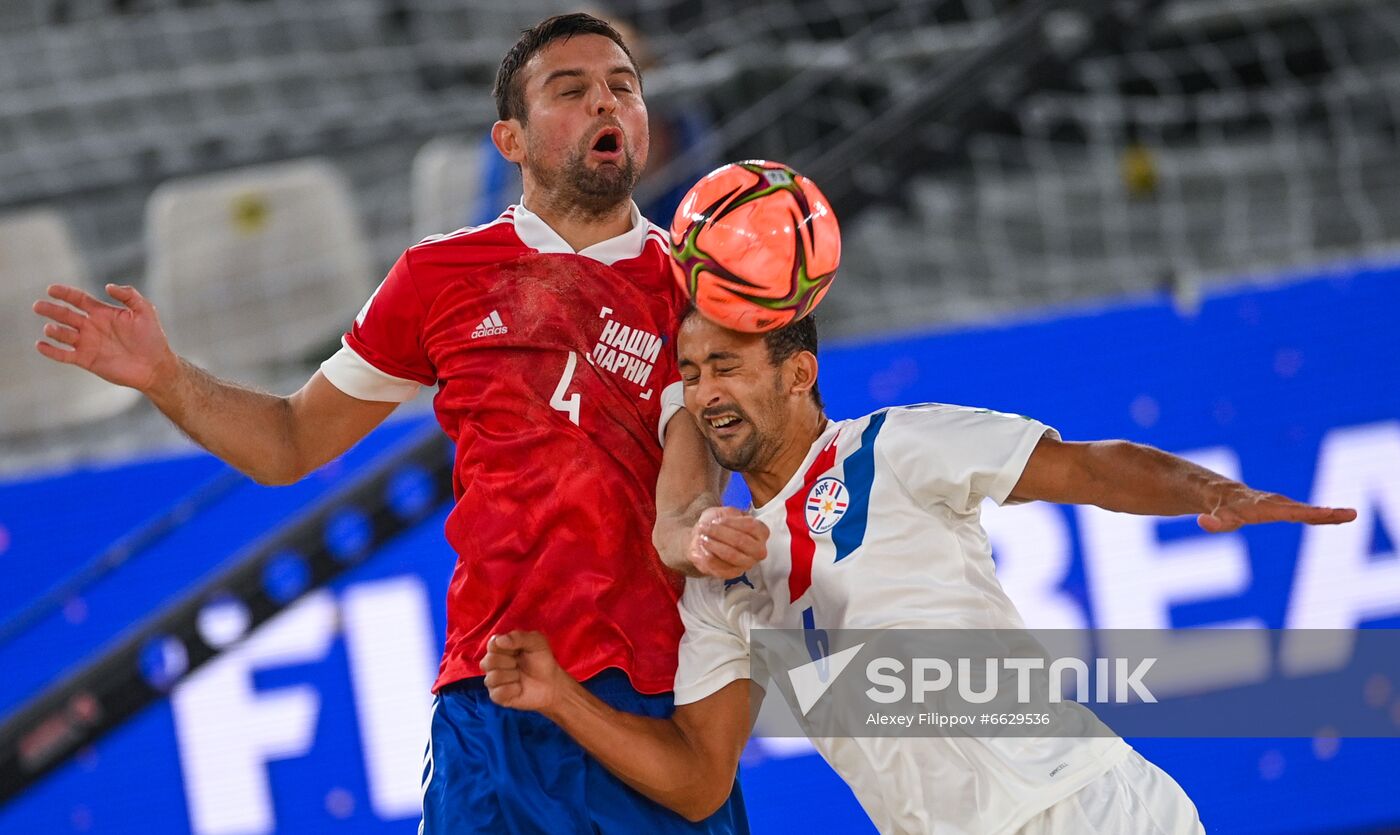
(556, 375)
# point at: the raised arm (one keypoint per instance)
(272, 439)
(694, 534)
(686, 763)
(1132, 478)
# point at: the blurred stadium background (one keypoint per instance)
(1176, 221)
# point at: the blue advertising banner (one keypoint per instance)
(317, 722)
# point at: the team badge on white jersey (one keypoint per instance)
(826, 504)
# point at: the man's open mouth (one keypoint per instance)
(724, 424)
(608, 143)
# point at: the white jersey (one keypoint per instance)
(905, 485)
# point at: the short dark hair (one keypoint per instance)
(510, 92)
(784, 342)
(794, 338)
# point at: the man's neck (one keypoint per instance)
(578, 228)
(768, 479)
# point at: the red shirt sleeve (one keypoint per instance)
(388, 332)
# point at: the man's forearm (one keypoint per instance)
(672, 533)
(252, 431)
(653, 756)
(690, 482)
(1132, 478)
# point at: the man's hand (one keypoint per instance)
(122, 345)
(521, 672)
(1245, 506)
(726, 542)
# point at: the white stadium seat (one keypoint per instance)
(37, 394)
(446, 185)
(255, 269)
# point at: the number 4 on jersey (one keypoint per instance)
(568, 405)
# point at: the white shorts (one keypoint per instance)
(1135, 797)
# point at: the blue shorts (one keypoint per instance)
(492, 769)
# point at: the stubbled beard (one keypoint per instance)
(590, 191)
(739, 459)
(748, 454)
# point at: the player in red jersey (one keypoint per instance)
(546, 333)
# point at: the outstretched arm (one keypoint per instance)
(686, 763)
(1132, 478)
(274, 440)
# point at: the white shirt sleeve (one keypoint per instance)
(958, 456)
(672, 402)
(355, 376)
(712, 652)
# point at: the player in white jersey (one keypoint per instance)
(873, 523)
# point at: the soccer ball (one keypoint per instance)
(755, 245)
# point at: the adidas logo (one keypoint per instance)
(490, 326)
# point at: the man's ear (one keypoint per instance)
(509, 138)
(802, 366)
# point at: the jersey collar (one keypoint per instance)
(799, 476)
(537, 235)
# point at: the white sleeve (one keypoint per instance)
(355, 376)
(958, 456)
(712, 652)
(672, 402)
